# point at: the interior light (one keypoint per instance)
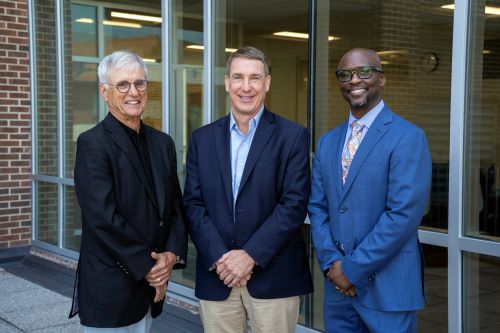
(122, 24)
(201, 48)
(84, 20)
(487, 9)
(299, 35)
(392, 52)
(136, 17)
(486, 51)
(148, 60)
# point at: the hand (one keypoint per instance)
(160, 273)
(235, 268)
(160, 292)
(337, 277)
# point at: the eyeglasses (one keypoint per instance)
(363, 72)
(124, 86)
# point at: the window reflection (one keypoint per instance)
(482, 194)
(481, 293)
(84, 30)
(434, 317)
(186, 97)
(255, 23)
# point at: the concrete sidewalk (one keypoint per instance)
(28, 307)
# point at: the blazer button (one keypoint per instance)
(161, 224)
(342, 209)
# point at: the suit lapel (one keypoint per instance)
(263, 132)
(336, 167)
(221, 142)
(158, 166)
(375, 132)
(119, 136)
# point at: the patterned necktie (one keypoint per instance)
(350, 148)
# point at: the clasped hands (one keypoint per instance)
(235, 268)
(336, 276)
(158, 276)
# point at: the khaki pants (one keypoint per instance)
(277, 315)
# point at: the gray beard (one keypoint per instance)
(359, 105)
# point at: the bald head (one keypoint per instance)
(370, 56)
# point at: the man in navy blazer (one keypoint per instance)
(133, 231)
(370, 184)
(246, 194)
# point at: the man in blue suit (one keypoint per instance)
(370, 185)
(246, 193)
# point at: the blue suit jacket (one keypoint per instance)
(371, 222)
(270, 208)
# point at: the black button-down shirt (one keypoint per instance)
(140, 143)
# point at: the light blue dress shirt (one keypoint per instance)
(240, 147)
(366, 120)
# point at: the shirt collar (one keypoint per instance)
(131, 132)
(253, 122)
(368, 119)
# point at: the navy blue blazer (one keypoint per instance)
(371, 222)
(270, 208)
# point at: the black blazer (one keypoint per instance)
(270, 207)
(124, 219)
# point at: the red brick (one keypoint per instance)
(19, 230)
(17, 40)
(8, 4)
(16, 12)
(6, 32)
(22, 5)
(19, 95)
(6, 18)
(9, 238)
(19, 243)
(26, 235)
(20, 217)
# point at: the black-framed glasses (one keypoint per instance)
(124, 86)
(363, 72)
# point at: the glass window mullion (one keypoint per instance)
(456, 171)
(208, 61)
(60, 112)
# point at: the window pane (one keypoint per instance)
(413, 40)
(82, 109)
(139, 31)
(47, 228)
(186, 96)
(257, 23)
(133, 30)
(482, 181)
(46, 94)
(72, 220)
(434, 317)
(481, 293)
(83, 30)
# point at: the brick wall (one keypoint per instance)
(15, 125)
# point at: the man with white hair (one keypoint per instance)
(133, 231)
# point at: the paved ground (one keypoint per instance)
(28, 307)
(35, 297)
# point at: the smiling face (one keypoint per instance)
(126, 107)
(361, 94)
(247, 85)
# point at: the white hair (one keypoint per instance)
(118, 60)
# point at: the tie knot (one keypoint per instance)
(356, 126)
